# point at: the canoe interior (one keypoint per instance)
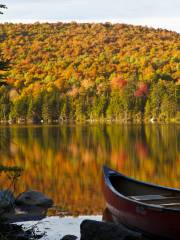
(145, 193)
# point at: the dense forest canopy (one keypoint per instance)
(71, 71)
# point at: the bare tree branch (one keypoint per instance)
(2, 6)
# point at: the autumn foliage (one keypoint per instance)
(86, 71)
(142, 90)
(118, 83)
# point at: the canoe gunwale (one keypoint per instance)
(109, 172)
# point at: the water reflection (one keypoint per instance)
(65, 162)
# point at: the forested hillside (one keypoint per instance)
(70, 71)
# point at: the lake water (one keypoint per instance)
(65, 161)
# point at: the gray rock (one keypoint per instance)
(94, 230)
(6, 200)
(24, 213)
(34, 198)
(69, 237)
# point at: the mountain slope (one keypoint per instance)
(90, 71)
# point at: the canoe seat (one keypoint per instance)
(170, 204)
(149, 197)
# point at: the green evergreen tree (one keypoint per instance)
(80, 106)
(156, 94)
(128, 100)
(67, 111)
(115, 106)
(4, 103)
(20, 109)
(100, 104)
(148, 110)
(34, 114)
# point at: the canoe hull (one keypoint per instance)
(156, 222)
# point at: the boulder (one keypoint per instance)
(34, 198)
(69, 237)
(17, 232)
(6, 200)
(94, 230)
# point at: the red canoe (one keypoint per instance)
(151, 209)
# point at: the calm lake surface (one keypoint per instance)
(65, 161)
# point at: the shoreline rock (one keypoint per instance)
(99, 230)
(30, 205)
(17, 232)
(91, 229)
(7, 200)
(69, 237)
(33, 198)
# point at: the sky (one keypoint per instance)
(153, 13)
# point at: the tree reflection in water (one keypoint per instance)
(65, 162)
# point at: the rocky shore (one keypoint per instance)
(96, 230)
(29, 205)
(33, 205)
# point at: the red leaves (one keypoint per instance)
(138, 93)
(142, 90)
(118, 82)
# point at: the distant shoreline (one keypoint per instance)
(89, 122)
